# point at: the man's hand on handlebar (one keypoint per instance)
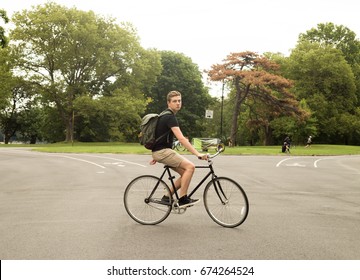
(203, 156)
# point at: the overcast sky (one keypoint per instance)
(207, 31)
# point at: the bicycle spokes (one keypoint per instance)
(142, 200)
(226, 202)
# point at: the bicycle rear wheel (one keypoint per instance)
(226, 202)
(142, 200)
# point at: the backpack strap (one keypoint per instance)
(165, 112)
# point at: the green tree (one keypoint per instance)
(99, 118)
(282, 126)
(338, 36)
(180, 73)
(255, 79)
(324, 78)
(51, 129)
(71, 54)
(341, 38)
(5, 73)
(219, 125)
(17, 101)
(16, 116)
(297, 130)
(3, 38)
(5, 78)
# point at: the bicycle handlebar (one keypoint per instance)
(217, 153)
(214, 155)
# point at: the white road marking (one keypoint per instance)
(281, 161)
(296, 164)
(316, 162)
(120, 164)
(117, 160)
(83, 160)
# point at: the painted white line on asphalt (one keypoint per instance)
(296, 164)
(28, 152)
(316, 162)
(281, 161)
(339, 162)
(119, 161)
(116, 159)
(83, 160)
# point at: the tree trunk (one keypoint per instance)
(234, 122)
(6, 139)
(8, 134)
(268, 136)
(69, 128)
(239, 98)
(33, 139)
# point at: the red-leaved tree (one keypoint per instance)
(256, 78)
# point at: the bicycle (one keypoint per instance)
(224, 199)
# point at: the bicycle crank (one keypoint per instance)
(176, 209)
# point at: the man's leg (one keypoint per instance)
(185, 168)
(177, 182)
(186, 171)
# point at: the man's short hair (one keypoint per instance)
(172, 94)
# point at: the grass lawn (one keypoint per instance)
(135, 148)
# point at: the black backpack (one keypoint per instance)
(148, 127)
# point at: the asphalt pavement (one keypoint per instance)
(70, 206)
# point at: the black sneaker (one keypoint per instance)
(185, 201)
(166, 200)
(194, 201)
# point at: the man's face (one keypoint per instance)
(175, 103)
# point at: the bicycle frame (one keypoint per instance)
(167, 169)
(171, 179)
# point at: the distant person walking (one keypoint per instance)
(286, 145)
(309, 142)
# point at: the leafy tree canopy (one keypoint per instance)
(256, 78)
(3, 38)
(72, 53)
(180, 73)
(338, 36)
(324, 78)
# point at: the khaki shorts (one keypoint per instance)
(168, 157)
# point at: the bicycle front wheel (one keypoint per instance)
(226, 202)
(142, 200)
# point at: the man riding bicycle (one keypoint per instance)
(162, 151)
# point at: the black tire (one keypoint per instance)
(226, 202)
(141, 208)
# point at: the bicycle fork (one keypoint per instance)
(220, 192)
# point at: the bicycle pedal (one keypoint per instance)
(178, 210)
